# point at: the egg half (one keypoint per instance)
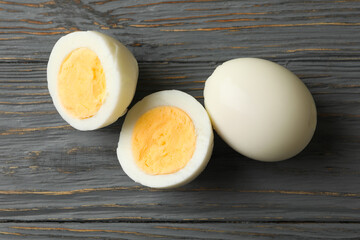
(91, 78)
(261, 109)
(166, 140)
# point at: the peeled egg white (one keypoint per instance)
(204, 139)
(121, 73)
(260, 109)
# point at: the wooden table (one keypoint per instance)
(60, 183)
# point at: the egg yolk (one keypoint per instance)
(163, 140)
(81, 83)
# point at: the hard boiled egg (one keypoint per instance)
(166, 140)
(260, 109)
(91, 78)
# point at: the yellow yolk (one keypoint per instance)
(81, 83)
(163, 140)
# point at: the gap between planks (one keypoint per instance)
(185, 221)
(138, 188)
(4, 61)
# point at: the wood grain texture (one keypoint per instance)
(189, 30)
(57, 182)
(319, 184)
(178, 231)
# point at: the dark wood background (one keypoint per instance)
(60, 183)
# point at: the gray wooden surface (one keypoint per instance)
(60, 183)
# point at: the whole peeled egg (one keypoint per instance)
(166, 140)
(261, 109)
(91, 78)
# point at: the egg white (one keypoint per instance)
(121, 74)
(261, 109)
(204, 139)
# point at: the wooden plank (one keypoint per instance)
(53, 172)
(178, 231)
(56, 182)
(206, 30)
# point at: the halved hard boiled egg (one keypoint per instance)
(91, 78)
(166, 140)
